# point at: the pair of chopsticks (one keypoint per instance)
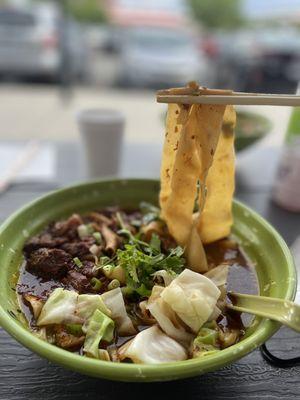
(193, 94)
(24, 157)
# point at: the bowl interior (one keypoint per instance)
(267, 250)
(250, 128)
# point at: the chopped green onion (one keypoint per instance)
(78, 262)
(85, 230)
(82, 231)
(97, 236)
(107, 269)
(90, 229)
(113, 284)
(96, 284)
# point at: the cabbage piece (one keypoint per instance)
(87, 304)
(67, 307)
(168, 321)
(218, 274)
(144, 314)
(166, 317)
(152, 346)
(59, 308)
(98, 327)
(114, 301)
(193, 297)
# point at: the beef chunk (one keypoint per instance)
(77, 281)
(43, 240)
(49, 263)
(79, 248)
(88, 269)
(68, 228)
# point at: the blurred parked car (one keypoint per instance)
(261, 60)
(37, 42)
(161, 56)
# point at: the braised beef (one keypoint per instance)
(78, 248)
(68, 228)
(44, 240)
(88, 269)
(49, 263)
(77, 281)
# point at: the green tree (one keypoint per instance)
(224, 14)
(86, 10)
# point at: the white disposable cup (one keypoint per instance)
(102, 132)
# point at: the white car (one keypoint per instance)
(161, 56)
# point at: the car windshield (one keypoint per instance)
(159, 39)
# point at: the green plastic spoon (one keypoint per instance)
(284, 311)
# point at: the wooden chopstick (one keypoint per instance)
(19, 163)
(226, 97)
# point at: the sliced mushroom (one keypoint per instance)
(152, 227)
(112, 240)
(100, 218)
(35, 303)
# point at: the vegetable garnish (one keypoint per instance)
(140, 261)
(99, 327)
(96, 284)
(77, 262)
(97, 236)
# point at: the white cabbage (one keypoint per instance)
(152, 346)
(98, 327)
(114, 301)
(192, 297)
(218, 275)
(67, 306)
(87, 304)
(59, 308)
(168, 321)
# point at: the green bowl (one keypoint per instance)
(274, 266)
(250, 128)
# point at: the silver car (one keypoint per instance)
(161, 56)
(31, 43)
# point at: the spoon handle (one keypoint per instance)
(284, 311)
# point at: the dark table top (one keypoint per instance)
(24, 375)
